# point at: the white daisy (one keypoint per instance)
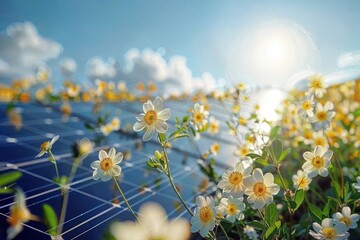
(260, 188)
(232, 181)
(115, 124)
(106, 129)
(301, 180)
(154, 225)
(46, 146)
(317, 86)
(234, 208)
(307, 105)
(205, 215)
(199, 118)
(346, 217)
(357, 184)
(153, 119)
(250, 232)
(323, 116)
(317, 162)
(328, 231)
(106, 167)
(19, 214)
(214, 126)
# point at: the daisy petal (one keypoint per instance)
(164, 114)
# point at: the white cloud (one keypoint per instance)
(22, 49)
(68, 66)
(172, 76)
(147, 65)
(98, 68)
(349, 59)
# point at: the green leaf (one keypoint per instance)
(181, 135)
(284, 154)
(299, 198)
(176, 132)
(271, 214)
(257, 224)
(162, 137)
(357, 113)
(277, 149)
(315, 213)
(50, 218)
(261, 161)
(150, 164)
(292, 204)
(88, 126)
(326, 209)
(185, 119)
(6, 190)
(269, 232)
(278, 224)
(254, 155)
(7, 178)
(274, 132)
(337, 188)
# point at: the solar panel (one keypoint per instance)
(91, 207)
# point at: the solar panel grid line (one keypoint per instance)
(88, 220)
(98, 224)
(84, 181)
(26, 192)
(80, 215)
(31, 227)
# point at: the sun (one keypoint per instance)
(269, 54)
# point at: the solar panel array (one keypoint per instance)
(91, 203)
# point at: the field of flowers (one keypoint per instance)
(295, 178)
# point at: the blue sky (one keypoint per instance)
(202, 31)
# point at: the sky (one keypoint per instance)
(208, 35)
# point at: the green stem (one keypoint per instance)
(222, 228)
(318, 195)
(238, 230)
(55, 164)
(265, 223)
(65, 194)
(281, 178)
(125, 200)
(168, 174)
(340, 168)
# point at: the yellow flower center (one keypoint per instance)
(150, 117)
(235, 178)
(198, 117)
(206, 214)
(319, 141)
(308, 135)
(345, 220)
(259, 189)
(231, 209)
(242, 121)
(306, 105)
(215, 148)
(329, 232)
(17, 215)
(318, 162)
(106, 164)
(302, 182)
(316, 83)
(214, 127)
(244, 151)
(321, 116)
(45, 146)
